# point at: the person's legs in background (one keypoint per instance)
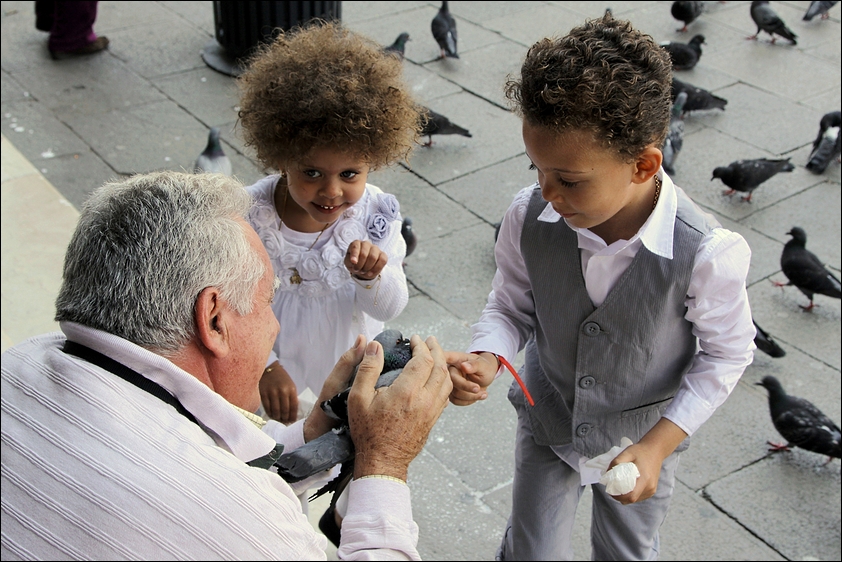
(71, 27)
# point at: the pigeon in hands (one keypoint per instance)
(675, 136)
(746, 175)
(817, 8)
(443, 27)
(438, 124)
(766, 344)
(801, 423)
(767, 20)
(827, 144)
(336, 447)
(213, 159)
(805, 271)
(686, 12)
(408, 235)
(684, 55)
(697, 98)
(399, 46)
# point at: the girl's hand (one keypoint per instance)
(364, 260)
(471, 374)
(278, 394)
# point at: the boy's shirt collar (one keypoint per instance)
(656, 233)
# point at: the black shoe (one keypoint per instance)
(328, 526)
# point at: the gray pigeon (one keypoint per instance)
(828, 143)
(767, 20)
(801, 423)
(804, 269)
(335, 447)
(408, 236)
(684, 56)
(399, 46)
(817, 8)
(675, 137)
(443, 27)
(686, 12)
(438, 124)
(746, 175)
(766, 344)
(697, 98)
(213, 159)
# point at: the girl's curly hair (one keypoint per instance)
(325, 86)
(605, 77)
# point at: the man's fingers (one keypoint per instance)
(369, 370)
(439, 380)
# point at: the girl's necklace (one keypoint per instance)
(295, 278)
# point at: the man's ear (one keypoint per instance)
(210, 316)
(647, 164)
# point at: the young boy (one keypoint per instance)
(629, 299)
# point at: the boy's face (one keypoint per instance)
(585, 183)
(326, 182)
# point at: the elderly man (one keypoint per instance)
(129, 433)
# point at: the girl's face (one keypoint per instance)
(323, 184)
(586, 184)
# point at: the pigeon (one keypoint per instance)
(399, 46)
(438, 124)
(801, 423)
(686, 12)
(817, 8)
(827, 144)
(684, 55)
(213, 159)
(408, 235)
(767, 20)
(675, 137)
(746, 175)
(804, 269)
(443, 27)
(697, 98)
(766, 344)
(336, 447)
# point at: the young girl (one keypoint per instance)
(629, 299)
(325, 106)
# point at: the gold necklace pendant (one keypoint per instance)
(295, 278)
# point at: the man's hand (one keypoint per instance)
(319, 423)
(390, 424)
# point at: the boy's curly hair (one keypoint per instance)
(323, 85)
(605, 77)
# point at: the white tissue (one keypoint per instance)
(620, 479)
(617, 481)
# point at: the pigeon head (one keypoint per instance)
(719, 172)
(798, 235)
(771, 384)
(396, 349)
(697, 40)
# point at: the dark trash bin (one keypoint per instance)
(241, 26)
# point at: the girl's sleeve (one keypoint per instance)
(384, 298)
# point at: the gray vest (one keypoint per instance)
(599, 374)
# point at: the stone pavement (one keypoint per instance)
(147, 104)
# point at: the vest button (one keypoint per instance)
(587, 382)
(583, 429)
(592, 329)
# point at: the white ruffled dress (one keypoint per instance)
(321, 316)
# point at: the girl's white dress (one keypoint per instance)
(322, 315)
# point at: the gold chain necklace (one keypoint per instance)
(295, 278)
(657, 192)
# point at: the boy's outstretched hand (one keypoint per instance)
(471, 375)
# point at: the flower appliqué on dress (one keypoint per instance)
(323, 271)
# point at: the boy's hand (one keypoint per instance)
(364, 260)
(471, 375)
(278, 394)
